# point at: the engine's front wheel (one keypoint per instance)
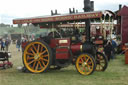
(85, 64)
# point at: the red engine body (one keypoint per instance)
(63, 47)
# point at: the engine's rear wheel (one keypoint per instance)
(101, 62)
(85, 64)
(37, 56)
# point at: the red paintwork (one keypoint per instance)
(62, 53)
(124, 24)
(124, 29)
(75, 48)
(23, 44)
(123, 11)
(62, 48)
(64, 44)
(55, 42)
(126, 57)
(78, 16)
(98, 42)
(6, 63)
(62, 56)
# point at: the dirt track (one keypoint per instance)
(16, 58)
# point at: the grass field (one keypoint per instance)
(116, 74)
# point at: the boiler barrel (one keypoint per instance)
(86, 47)
(89, 47)
(76, 48)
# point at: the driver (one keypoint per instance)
(83, 38)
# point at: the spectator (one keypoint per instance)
(18, 44)
(108, 50)
(114, 45)
(2, 45)
(7, 44)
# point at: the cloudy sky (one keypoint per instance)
(11, 9)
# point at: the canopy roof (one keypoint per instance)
(62, 18)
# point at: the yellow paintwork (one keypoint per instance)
(83, 64)
(37, 61)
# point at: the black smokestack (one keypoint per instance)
(120, 6)
(92, 5)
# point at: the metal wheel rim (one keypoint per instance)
(85, 64)
(36, 57)
(101, 63)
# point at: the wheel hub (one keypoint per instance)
(36, 56)
(84, 64)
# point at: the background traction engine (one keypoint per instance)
(39, 55)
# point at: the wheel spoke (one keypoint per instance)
(43, 63)
(33, 51)
(31, 62)
(37, 65)
(38, 48)
(29, 54)
(29, 58)
(41, 49)
(87, 60)
(89, 67)
(43, 52)
(82, 60)
(45, 55)
(34, 64)
(34, 47)
(40, 65)
(43, 59)
(84, 69)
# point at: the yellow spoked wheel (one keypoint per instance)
(37, 56)
(101, 62)
(85, 64)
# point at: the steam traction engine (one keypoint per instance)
(39, 55)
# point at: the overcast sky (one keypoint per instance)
(11, 9)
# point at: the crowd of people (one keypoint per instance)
(5, 44)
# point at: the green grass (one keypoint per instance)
(116, 74)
